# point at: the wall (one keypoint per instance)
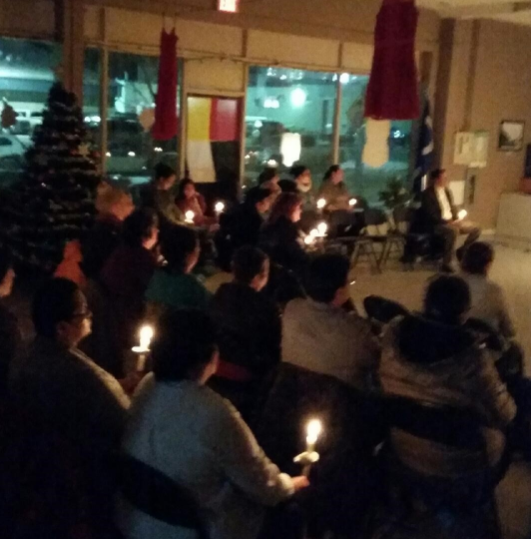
(488, 80)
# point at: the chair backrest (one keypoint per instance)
(403, 216)
(383, 310)
(376, 222)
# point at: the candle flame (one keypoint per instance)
(146, 334)
(352, 202)
(321, 204)
(308, 240)
(219, 207)
(322, 229)
(313, 431)
(462, 214)
(189, 216)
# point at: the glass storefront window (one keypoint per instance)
(27, 71)
(91, 96)
(131, 152)
(289, 119)
(362, 179)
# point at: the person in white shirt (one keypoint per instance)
(440, 217)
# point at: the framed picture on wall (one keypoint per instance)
(511, 137)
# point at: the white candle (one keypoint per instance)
(219, 207)
(321, 204)
(322, 229)
(146, 334)
(462, 215)
(189, 217)
(309, 239)
(352, 202)
(313, 431)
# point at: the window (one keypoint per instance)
(27, 71)
(289, 119)
(91, 96)
(362, 179)
(131, 151)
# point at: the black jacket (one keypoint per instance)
(431, 213)
(249, 327)
(244, 226)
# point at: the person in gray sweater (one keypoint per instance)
(182, 429)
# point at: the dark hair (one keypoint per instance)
(182, 186)
(163, 171)
(176, 244)
(182, 345)
(6, 262)
(138, 226)
(436, 173)
(330, 172)
(247, 263)
(326, 275)
(297, 170)
(256, 195)
(447, 299)
(267, 175)
(288, 186)
(284, 206)
(54, 302)
(477, 257)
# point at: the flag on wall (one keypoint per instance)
(424, 160)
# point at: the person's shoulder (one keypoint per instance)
(296, 306)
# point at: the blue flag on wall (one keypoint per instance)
(424, 160)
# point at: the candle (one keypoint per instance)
(321, 204)
(462, 214)
(219, 207)
(146, 334)
(322, 229)
(313, 431)
(352, 202)
(189, 217)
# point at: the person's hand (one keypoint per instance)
(300, 482)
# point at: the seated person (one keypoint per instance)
(126, 276)
(188, 199)
(248, 322)
(281, 237)
(318, 334)
(334, 190)
(173, 286)
(269, 179)
(187, 432)
(85, 259)
(438, 216)
(159, 195)
(432, 358)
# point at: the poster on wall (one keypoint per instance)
(471, 148)
(511, 137)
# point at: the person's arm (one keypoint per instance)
(245, 463)
(450, 197)
(430, 207)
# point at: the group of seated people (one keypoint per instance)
(93, 448)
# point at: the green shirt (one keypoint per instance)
(177, 291)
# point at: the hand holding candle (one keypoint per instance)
(310, 456)
(146, 334)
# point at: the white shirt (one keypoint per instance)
(444, 204)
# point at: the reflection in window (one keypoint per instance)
(362, 179)
(131, 151)
(27, 71)
(91, 96)
(289, 119)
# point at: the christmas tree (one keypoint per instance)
(54, 201)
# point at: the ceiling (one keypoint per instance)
(505, 10)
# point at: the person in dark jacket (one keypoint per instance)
(439, 216)
(281, 238)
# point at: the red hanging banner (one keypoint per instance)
(166, 122)
(392, 93)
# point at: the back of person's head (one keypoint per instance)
(326, 275)
(247, 263)
(111, 200)
(56, 301)
(267, 175)
(297, 170)
(183, 345)
(435, 174)
(447, 299)
(183, 184)
(139, 226)
(177, 244)
(284, 206)
(477, 258)
(163, 172)
(256, 195)
(330, 172)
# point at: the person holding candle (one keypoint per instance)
(439, 216)
(334, 190)
(173, 286)
(185, 431)
(189, 200)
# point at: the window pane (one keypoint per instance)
(289, 101)
(132, 153)
(27, 71)
(362, 179)
(91, 96)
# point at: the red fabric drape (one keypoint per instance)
(165, 127)
(392, 93)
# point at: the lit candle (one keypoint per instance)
(189, 217)
(146, 334)
(462, 215)
(321, 204)
(309, 239)
(352, 202)
(322, 229)
(219, 207)
(313, 431)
